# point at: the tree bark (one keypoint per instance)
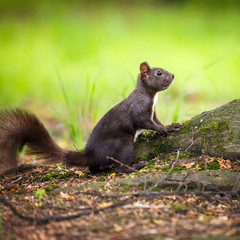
(215, 133)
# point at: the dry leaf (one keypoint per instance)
(66, 196)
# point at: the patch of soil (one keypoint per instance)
(109, 207)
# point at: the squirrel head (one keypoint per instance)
(154, 79)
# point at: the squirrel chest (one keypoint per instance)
(140, 131)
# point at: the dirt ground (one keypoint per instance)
(117, 206)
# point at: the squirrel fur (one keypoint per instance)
(113, 136)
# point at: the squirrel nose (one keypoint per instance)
(172, 76)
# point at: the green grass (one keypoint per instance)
(83, 59)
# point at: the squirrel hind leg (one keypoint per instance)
(94, 169)
(125, 156)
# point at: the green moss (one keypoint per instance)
(148, 135)
(50, 186)
(100, 179)
(54, 175)
(151, 237)
(126, 188)
(150, 163)
(157, 189)
(185, 125)
(96, 229)
(187, 155)
(214, 135)
(213, 165)
(178, 207)
(20, 191)
(64, 175)
(166, 159)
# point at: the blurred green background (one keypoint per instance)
(80, 58)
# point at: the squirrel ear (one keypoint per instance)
(144, 67)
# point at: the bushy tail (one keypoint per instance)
(19, 128)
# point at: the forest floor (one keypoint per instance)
(59, 202)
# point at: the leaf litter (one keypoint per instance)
(57, 190)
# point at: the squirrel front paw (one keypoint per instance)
(173, 127)
(163, 131)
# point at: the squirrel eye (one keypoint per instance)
(159, 73)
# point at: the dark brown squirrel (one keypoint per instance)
(113, 136)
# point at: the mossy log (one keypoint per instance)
(214, 181)
(215, 133)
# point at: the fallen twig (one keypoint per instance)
(122, 164)
(129, 198)
(45, 220)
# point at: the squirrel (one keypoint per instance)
(113, 136)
